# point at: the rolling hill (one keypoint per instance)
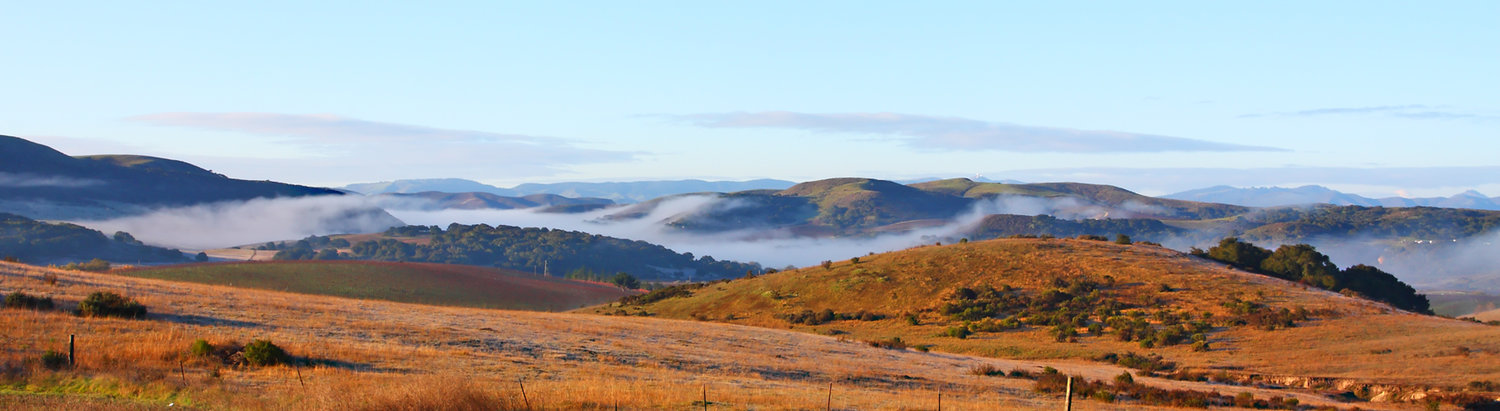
(621, 192)
(37, 242)
(1083, 300)
(39, 182)
(421, 283)
(351, 354)
(1312, 194)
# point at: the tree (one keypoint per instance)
(201, 257)
(327, 254)
(1122, 239)
(626, 281)
(1239, 253)
(1302, 262)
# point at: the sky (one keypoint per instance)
(1376, 98)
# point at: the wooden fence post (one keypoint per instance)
(829, 406)
(705, 397)
(523, 393)
(70, 351)
(1069, 403)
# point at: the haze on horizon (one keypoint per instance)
(1379, 99)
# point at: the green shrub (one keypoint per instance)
(54, 360)
(261, 353)
(1122, 239)
(95, 265)
(959, 332)
(108, 304)
(1124, 378)
(201, 348)
(27, 301)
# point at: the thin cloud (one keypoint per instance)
(1411, 111)
(356, 142)
(953, 133)
(25, 180)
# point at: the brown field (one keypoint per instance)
(1491, 315)
(422, 283)
(1352, 343)
(385, 355)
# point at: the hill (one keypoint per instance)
(421, 283)
(443, 185)
(39, 242)
(1081, 299)
(621, 192)
(539, 250)
(366, 354)
(39, 182)
(1312, 194)
(857, 206)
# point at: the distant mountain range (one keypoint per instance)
(433, 200)
(41, 183)
(1312, 194)
(619, 192)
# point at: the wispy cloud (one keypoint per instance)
(953, 133)
(1412, 111)
(356, 142)
(25, 180)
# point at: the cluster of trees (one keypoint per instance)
(312, 248)
(1007, 225)
(35, 241)
(1303, 263)
(622, 279)
(547, 250)
(1428, 223)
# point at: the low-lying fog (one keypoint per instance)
(262, 220)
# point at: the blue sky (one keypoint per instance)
(1346, 94)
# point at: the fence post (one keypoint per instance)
(523, 393)
(940, 400)
(705, 397)
(1069, 403)
(829, 406)
(70, 351)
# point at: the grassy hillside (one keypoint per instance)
(1092, 194)
(1077, 299)
(365, 355)
(423, 283)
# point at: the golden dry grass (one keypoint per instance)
(382, 355)
(1356, 340)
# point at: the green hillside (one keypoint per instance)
(38, 242)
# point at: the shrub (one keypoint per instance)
(50, 278)
(22, 300)
(262, 353)
(1092, 237)
(959, 332)
(54, 360)
(95, 265)
(1124, 378)
(201, 348)
(1122, 239)
(987, 370)
(108, 304)
(854, 260)
(893, 343)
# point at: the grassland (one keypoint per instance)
(363, 354)
(422, 283)
(1347, 342)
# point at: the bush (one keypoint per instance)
(1124, 378)
(95, 265)
(959, 332)
(201, 257)
(894, 343)
(22, 300)
(108, 304)
(1123, 239)
(201, 348)
(987, 370)
(54, 360)
(261, 353)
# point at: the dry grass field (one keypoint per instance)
(1348, 343)
(384, 355)
(422, 283)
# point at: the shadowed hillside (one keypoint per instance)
(52, 185)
